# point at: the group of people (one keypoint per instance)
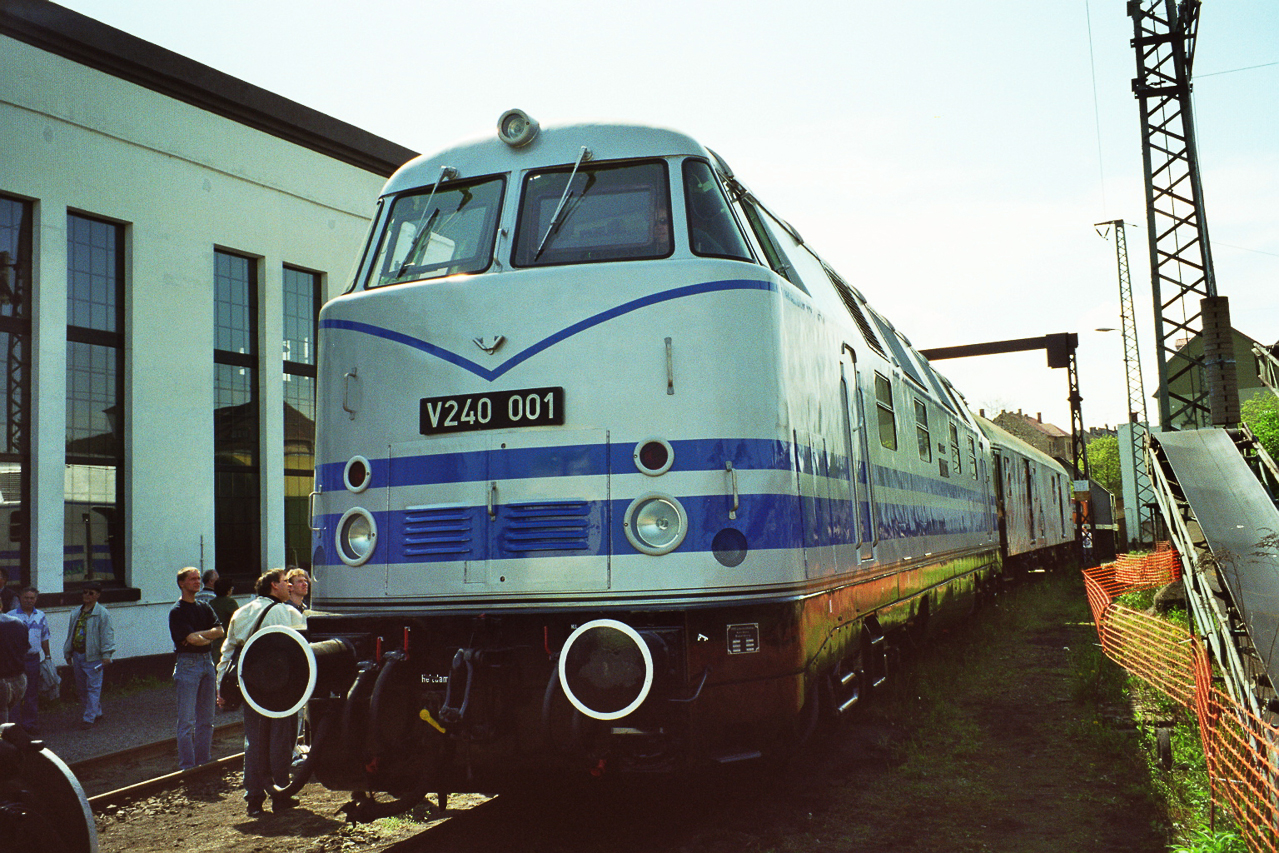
(25, 634)
(207, 626)
(199, 626)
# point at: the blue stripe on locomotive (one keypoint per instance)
(584, 460)
(490, 374)
(577, 528)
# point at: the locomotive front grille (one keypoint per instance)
(438, 532)
(554, 526)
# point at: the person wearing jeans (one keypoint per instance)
(194, 626)
(268, 741)
(88, 649)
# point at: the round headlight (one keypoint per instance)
(655, 524)
(516, 128)
(356, 536)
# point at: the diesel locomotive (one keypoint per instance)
(616, 474)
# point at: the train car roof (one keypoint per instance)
(552, 146)
(1000, 437)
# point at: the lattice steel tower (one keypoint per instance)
(1143, 491)
(1180, 257)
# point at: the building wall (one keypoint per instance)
(183, 181)
(1031, 431)
(1191, 383)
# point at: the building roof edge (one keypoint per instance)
(69, 34)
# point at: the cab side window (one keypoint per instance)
(712, 230)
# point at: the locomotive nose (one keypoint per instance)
(606, 669)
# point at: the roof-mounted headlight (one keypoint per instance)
(516, 128)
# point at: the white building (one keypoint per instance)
(170, 233)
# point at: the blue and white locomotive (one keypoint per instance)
(614, 474)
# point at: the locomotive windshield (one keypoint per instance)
(598, 213)
(434, 232)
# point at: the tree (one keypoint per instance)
(1103, 463)
(1261, 414)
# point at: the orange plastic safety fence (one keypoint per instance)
(1147, 570)
(1241, 750)
(1150, 648)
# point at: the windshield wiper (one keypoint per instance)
(424, 231)
(583, 155)
(424, 227)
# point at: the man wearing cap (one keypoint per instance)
(194, 626)
(88, 649)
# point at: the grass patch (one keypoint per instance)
(1212, 842)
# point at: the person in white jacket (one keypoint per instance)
(89, 648)
(268, 741)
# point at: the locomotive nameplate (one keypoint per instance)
(526, 407)
(743, 639)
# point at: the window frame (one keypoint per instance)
(954, 448)
(244, 564)
(113, 340)
(523, 213)
(384, 225)
(15, 324)
(886, 413)
(747, 255)
(300, 370)
(923, 436)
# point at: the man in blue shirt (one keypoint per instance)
(38, 637)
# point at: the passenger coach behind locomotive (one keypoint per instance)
(614, 473)
(1032, 491)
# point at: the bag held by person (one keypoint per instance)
(50, 681)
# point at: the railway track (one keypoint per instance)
(140, 770)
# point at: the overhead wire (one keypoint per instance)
(1096, 109)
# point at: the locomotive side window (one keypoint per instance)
(884, 405)
(712, 230)
(777, 260)
(922, 436)
(438, 231)
(593, 214)
(954, 449)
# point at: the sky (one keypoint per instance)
(949, 159)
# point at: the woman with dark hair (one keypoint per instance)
(268, 741)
